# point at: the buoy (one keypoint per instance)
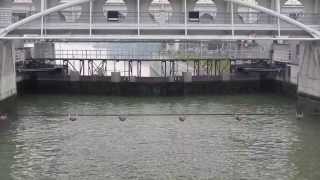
(3, 116)
(182, 118)
(122, 118)
(72, 118)
(299, 115)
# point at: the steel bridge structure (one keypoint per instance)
(134, 20)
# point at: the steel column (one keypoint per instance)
(138, 16)
(185, 19)
(278, 7)
(232, 20)
(43, 7)
(90, 21)
(138, 68)
(130, 69)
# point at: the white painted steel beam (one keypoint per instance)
(185, 18)
(138, 16)
(155, 38)
(232, 19)
(5, 31)
(43, 7)
(314, 33)
(90, 20)
(278, 7)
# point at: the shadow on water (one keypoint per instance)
(7, 146)
(8, 107)
(214, 146)
(306, 149)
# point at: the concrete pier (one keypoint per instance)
(115, 77)
(44, 49)
(309, 78)
(7, 70)
(187, 77)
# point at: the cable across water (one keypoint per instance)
(153, 114)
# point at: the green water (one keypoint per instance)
(159, 147)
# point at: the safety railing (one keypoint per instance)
(156, 55)
(283, 56)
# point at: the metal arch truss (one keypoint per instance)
(315, 34)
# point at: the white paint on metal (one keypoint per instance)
(232, 20)
(155, 37)
(278, 7)
(138, 18)
(185, 18)
(314, 33)
(14, 26)
(43, 6)
(90, 21)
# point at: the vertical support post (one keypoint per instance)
(43, 6)
(232, 20)
(106, 67)
(90, 19)
(185, 18)
(278, 7)
(201, 46)
(129, 69)
(124, 68)
(215, 67)
(165, 69)
(208, 68)
(138, 16)
(316, 6)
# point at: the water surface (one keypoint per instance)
(159, 147)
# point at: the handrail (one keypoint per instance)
(125, 54)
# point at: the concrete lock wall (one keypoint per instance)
(5, 3)
(7, 70)
(309, 79)
(309, 76)
(44, 49)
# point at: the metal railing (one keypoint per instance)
(159, 55)
(283, 56)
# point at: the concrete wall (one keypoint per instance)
(6, 3)
(309, 76)
(44, 49)
(7, 70)
(309, 79)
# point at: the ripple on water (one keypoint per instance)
(201, 147)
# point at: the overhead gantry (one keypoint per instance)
(86, 23)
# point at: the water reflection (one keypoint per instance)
(201, 147)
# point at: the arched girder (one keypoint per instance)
(314, 33)
(31, 18)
